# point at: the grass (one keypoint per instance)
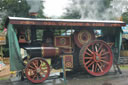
(124, 67)
(4, 78)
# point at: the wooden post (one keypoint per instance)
(64, 71)
(1, 53)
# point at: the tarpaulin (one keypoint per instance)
(16, 62)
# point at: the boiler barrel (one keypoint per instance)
(43, 51)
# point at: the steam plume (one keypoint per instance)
(97, 9)
(34, 5)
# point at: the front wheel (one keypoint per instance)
(37, 70)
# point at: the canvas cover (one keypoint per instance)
(16, 62)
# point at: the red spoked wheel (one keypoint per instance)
(37, 70)
(96, 57)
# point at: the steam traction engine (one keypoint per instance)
(87, 45)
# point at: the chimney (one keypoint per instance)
(33, 14)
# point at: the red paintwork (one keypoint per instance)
(50, 51)
(61, 23)
(68, 61)
(31, 70)
(99, 57)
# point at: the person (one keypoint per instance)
(47, 38)
(5, 31)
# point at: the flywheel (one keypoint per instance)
(83, 36)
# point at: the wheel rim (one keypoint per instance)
(37, 70)
(97, 58)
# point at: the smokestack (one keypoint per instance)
(33, 14)
(34, 7)
(121, 18)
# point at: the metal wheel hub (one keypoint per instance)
(96, 57)
(38, 70)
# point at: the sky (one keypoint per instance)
(55, 7)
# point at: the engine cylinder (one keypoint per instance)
(50, 51)
(43, 51)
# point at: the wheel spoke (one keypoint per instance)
(105, 62)
(89, 50)
(88, 62)
(105, 53)
(93, 68)
(40, 64)
(100, 47)
(31, 67)
(99, 67)
(103, 65)
(96, 48)
(100, 64)
(88, 57)
(88, 54)
(35, 75)
(91, 64)
(105, 57)
(93, 47)
(101, 51)
(34, 64)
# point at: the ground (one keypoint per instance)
(79, 78)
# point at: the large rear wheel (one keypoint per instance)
(96, 57)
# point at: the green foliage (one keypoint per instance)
(0, 26)
(125, 17)
(18, 8)
(15, 8)
(107, 3)
(40, 12)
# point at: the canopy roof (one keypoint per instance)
(63, 22)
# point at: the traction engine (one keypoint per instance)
(80, 49)
(87, 46)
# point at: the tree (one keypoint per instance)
(125, 17)
(18, 8)
(40, 12)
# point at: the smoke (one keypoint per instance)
(100, 9)
(34, 5)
